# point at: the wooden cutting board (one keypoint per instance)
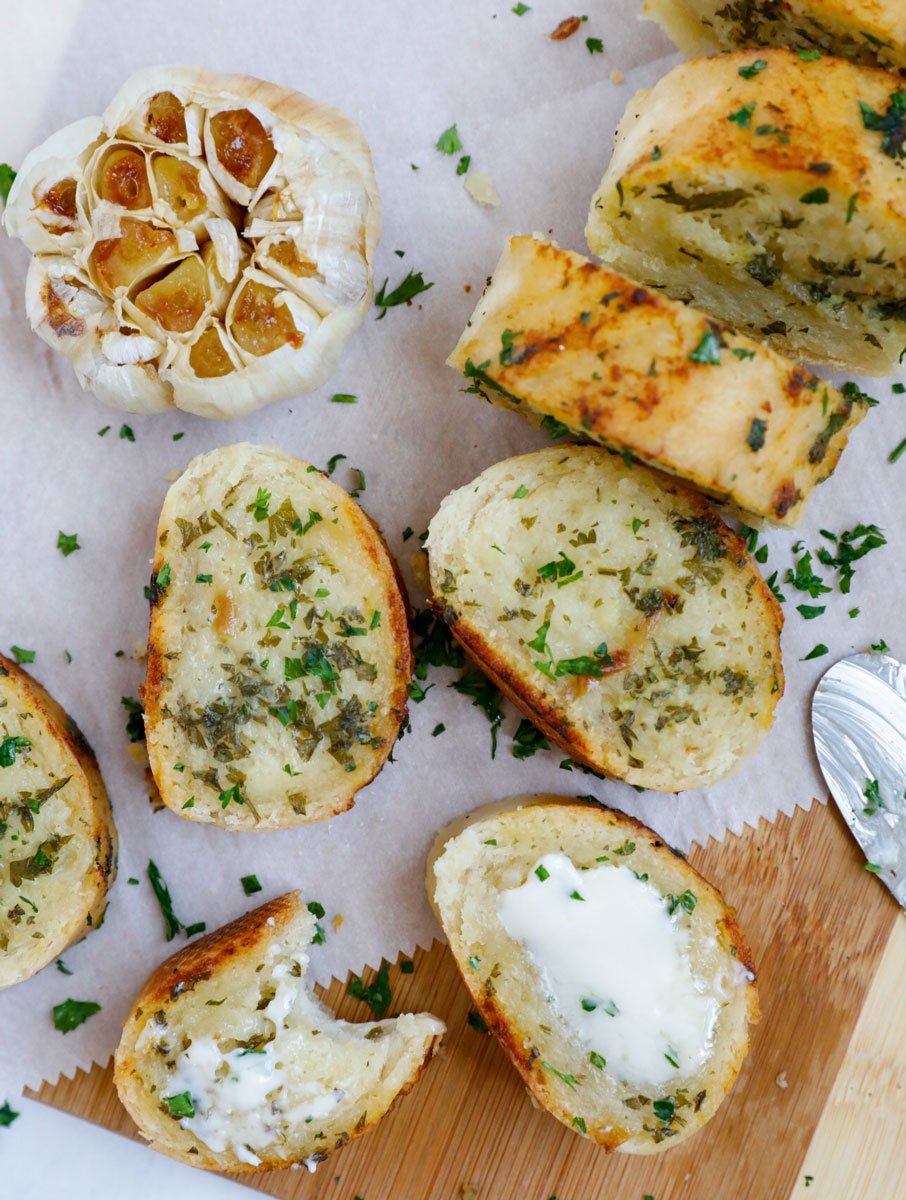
(818, 1111)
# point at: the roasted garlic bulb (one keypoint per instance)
(206, 244)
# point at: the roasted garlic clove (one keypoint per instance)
(221, 231)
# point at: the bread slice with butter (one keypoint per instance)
(768, 189)
(228, 1061)
(869, 32)
(589, 353)
(616, 609)
(615, 978)
(279, 648)
(57, 837)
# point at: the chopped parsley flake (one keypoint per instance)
(753, 69)
(448, 142)
(594, 45)
(126, 433)
(10, 747)
(376, 995)
(743, 116)
(250, 884)
(72, 1013)
(891, 123)
(816, 652)
(404, 292)
(180, 1106)
(67, 543)
(818, 195)
(7, 179)
(22, 655)
(343, 398)
(708, 350)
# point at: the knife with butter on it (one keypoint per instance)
(859, 727)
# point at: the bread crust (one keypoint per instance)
(80, 908)
(591, 354)
(773, 197)
(364, 572)
(472, 605)
(226, 955)
(545, 823)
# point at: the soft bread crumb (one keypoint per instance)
(617, 76)
(338, 921)
(481, 188)
(781, 1080)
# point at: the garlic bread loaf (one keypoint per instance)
(590, 353)
(279, 649)
(616, 609)
(615, 978)
(57, 837)
(229, 1062)
(769, 189)
(207, 243)
(870, 32)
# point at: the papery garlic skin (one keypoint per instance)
(207, 244)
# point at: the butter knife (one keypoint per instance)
(859, 727)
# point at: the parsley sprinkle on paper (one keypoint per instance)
(594, 45)
(22, 655)
(72, 1013)
(7, 179)
(413, 285)
(126, 434)
(67, 543)
(448, 142)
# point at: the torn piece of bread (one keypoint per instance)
(57, 837)
(229, 1062)
(772, 198)
(279, 648)
(615, 978)
(869, 32)
(590, 353)
(616, 609)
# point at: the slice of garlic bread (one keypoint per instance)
(279, 649)
(57, 837)
(616, 609)
(772, 197)
(615, 978)
(229, 1062)
(870, 32)
(587, 352)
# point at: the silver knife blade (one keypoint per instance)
(859, 727)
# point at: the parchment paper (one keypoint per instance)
(538, 117)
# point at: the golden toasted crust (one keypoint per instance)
(638, 715)
(568, 342)
(775, 198)
(869, 32)
(495, 847)
(66, 917)
(237, 964)
(235, 641)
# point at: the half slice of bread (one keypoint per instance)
(616, 609)
(870, 32)
(228, 1062)
(772, 198)
(57, 838)
(279, 648)
(588, 353)
(615, 978)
